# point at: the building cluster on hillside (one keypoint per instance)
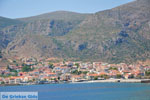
(42, 71)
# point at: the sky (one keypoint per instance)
(27, 8)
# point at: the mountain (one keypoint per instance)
(4, 38)
(4, 22)
(38, 34)
(121, 34)
(57, 15)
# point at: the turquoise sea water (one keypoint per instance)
(86, 91)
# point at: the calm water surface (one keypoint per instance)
(87, 91)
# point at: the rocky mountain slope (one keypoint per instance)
(121, 34)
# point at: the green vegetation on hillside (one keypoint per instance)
(4, 22)
(26, 68)
(117, 35)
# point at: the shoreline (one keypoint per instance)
(91, 81)
(117, 81)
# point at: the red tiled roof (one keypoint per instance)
(93, 75)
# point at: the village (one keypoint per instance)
(45, 72)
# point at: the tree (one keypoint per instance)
(17, 64)
(77, 64)
(58, 78)
(104, 76)
(138, 76)
(96, 78)
(12, 70)
(26, 68)
(51, 65)
(131, 76)
(113, 68)
(63, 62)
(85, 72)
(2, 82)
(147, 73)
(8, 67)
(76, 72)
(119, 76)
(0, 54)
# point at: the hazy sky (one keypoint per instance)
(26, 8)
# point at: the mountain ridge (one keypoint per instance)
(65, 15)
(116, 35)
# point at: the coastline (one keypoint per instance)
(117, 81)
(93, 81)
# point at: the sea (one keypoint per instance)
(86, 91)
